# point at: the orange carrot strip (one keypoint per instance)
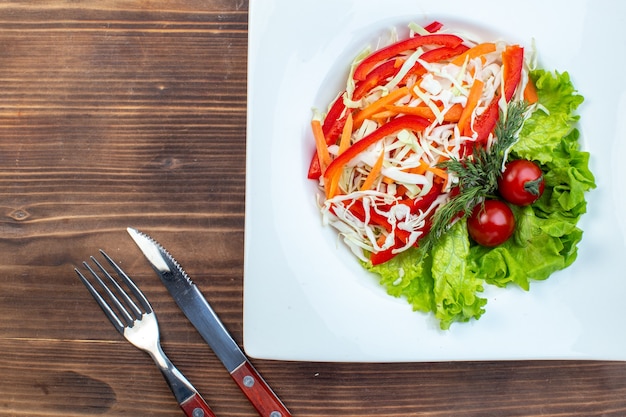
(421, 169)
(440, 173)
(415, 170)
(381, 240)
(452, 115)
(476, 51)
(379, 104)
(530, 92)
(332, 185)
(346, 134)
(320, 144)
(401, 190)
(421, 110)
(373, 174)
(472, 101)
(413, 93)
(382, 115)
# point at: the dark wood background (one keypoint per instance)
(116, 113)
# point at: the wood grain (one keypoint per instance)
(116, 114)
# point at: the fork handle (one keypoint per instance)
(195, 406)
(188, 398)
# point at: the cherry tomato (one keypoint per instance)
(521, 182)
(491, 223)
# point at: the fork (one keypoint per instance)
(138, 324)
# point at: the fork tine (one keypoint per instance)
(126, 300)
(127, 310)
(126, 316)
(117, 323)
(141, 298)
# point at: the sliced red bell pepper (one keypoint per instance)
(486, 122)
(433, 27)
(425, 201)
(329, 127)
(401, 236)
(377, 258)
(434, 55)
(376, 78)
(380, 257)
(315, 170)
(332, 127)
(418, 70)
(443, 53)
(410, 122)
(377, 219)
(399, 47)
(513, 62)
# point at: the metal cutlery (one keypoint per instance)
(132, 316)
(205, 320)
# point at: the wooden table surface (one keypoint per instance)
(116, 113)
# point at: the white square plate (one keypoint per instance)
(305, 295)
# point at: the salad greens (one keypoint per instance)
(450, 279)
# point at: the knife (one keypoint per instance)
(205, 320)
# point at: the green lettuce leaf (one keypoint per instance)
(456, 289)
(403, 277)
(538, 248)
(543, 133)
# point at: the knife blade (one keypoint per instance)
(205, 320)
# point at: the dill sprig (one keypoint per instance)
(477, 174)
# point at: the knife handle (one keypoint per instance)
(258, 392)
(195, 406)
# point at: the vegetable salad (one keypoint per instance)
(418, 141)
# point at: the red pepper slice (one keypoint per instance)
(418, 70)
(434, 55)
(425, 201)
(410, 122)
(486, 122)
(375, 78)
(377, 258)
(332, 127)
(377, 219)
(394, 49)
(443, 53)
(433, 27)
(315, 170)
(382, 256)
(513, 62)
(402, 236)
(331, 131)
(358, 210)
